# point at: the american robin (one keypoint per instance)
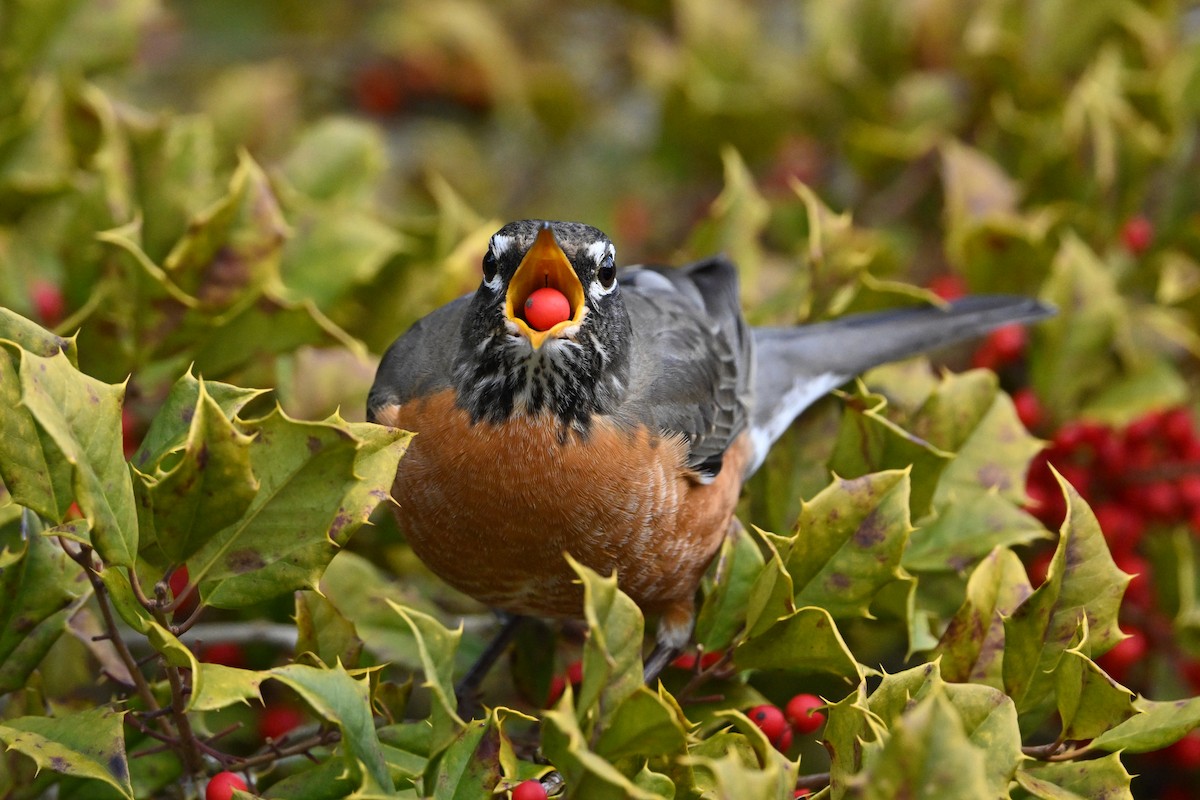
(619, 430)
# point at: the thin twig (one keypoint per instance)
(300, 748)
(83, 557)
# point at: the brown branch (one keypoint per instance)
(83, 557)
(300, 748)
(703, 676)
(816, 781)
(1057, 751)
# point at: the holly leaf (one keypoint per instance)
(806, 642)
(207, 488)
(85, 744)
(1077, 780)
(848, 542)
(992, 453)
(336, 696)
(39, 591)
(379, 452)
(173, 422)
(28, 335)
(325, 632)
(927, 754)
(1073, 356)
(868, 442)
(82, 417)
(644, 726)
(963, 532)
(436, 645)
(469, 766)
(730, 778)
(282, 541)
(851, 729)
(612, 654)
(726, 594)
(1082, 581)
(587, 773)
(1089, 701)
(232, 248)
(218, 686)
(1158, 724)
(972, 646)
(31, 464)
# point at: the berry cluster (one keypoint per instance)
(1138, 479)
(799, 716)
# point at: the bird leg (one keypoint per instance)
(466, 691)
(674, 632)
(657, 661)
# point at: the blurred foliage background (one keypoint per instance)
(273, 191)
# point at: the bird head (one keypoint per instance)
(513, 358)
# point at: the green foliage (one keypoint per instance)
(270, 235)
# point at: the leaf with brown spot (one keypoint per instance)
(207, 488)
(282, 541)
(848, 542)
(1082, 581)
(86, 744)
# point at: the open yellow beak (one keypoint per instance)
(544, 265)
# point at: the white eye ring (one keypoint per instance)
(604, 254)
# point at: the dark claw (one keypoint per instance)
(466, 692)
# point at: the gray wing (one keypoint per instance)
(797, 366)
(421, 361)
(691, 356)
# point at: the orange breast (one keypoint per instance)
(492, 508)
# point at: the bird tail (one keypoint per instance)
(796, 366)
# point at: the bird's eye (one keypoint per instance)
(489, 265)
(607, 272)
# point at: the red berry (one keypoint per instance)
(547, 307)
(1075, 435)
(1127, 652)
(221, 786)
(685, 661)
(179, 581)
(48, 301)
(1185, 753)
(1002, 346)
(557, 684)
(275, 722)
(1144, 428)
(1159, 500)
(227, 654)
(783, 742)
(1178, 428)
(1046, 503)
(1122, 526)
(1079, 476)
(948, 286)
(1039, 567)
(1138, 592)
(769, 719)
(129, 438)
(529, 790)
(379, 88)
(1029, 408)
(1188, 488)
(575, 672)
(1137, 234)
(801, 712)
(802, 793)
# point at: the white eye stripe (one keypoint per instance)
(495, 284)
(500, 244)
(598, 251)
